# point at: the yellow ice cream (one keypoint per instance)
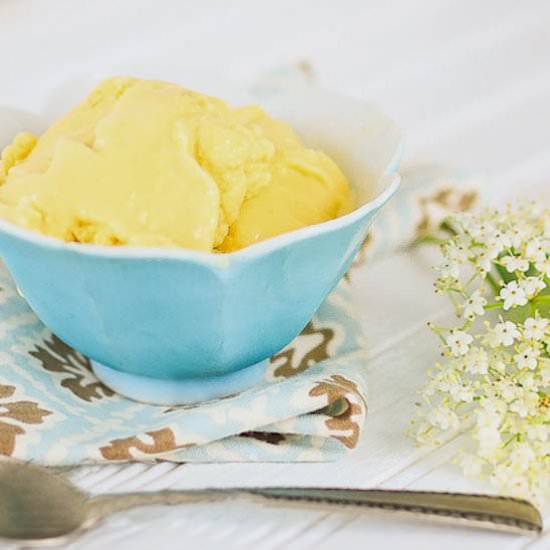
(149, 163)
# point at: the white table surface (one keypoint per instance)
(468, 81)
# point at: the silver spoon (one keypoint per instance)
(38, 507)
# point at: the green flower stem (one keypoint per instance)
(493, 282)
(455, 304)
(496, 305)
(496, 373)
(437, 331)
(428, 239)
(457, 291)
(518, 373)
(512, 439)
(446, 226)
(471, 280)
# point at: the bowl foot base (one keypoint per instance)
(181, 391)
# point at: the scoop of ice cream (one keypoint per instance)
(149, 163)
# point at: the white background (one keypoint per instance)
(468, 81)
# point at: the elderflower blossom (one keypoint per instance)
(494, 379)
(531, 286)
(515, 263)
(503, 334)
(543, 266)
(474, 305)
(535, 328)
(458, 342)
(513, 295)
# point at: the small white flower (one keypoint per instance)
(535, 328)
(458, 250)
(459, 342)
(521, 457)
(493, 248)
(527, 357)
(490, 413)
(509, 481)
(443, 418)
(535, 250)
(513, 295)
(529, 381)
(463, 392)
(448, 270)
(471, 465)
(518, 235)
(543, 266)
(538, 432)
(504, 334)
(442, 383)
(483, 261)
(532, 285)
(497, 242)
(476, 361)
(499, 359)
(507, 389)
(515, 263)
(525, 404)
(480, 229)
(489, 439)
(474, 305)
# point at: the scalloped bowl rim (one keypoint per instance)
(209, 258)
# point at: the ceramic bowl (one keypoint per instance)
(176, 326)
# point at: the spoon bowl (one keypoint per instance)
(37, 505)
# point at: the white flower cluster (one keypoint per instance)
(495, 378)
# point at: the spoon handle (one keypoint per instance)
(502, 513)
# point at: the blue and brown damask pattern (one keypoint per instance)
(54, 411)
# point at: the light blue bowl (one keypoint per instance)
(176, 326)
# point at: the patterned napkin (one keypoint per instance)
(310, 406)
(428, 194)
